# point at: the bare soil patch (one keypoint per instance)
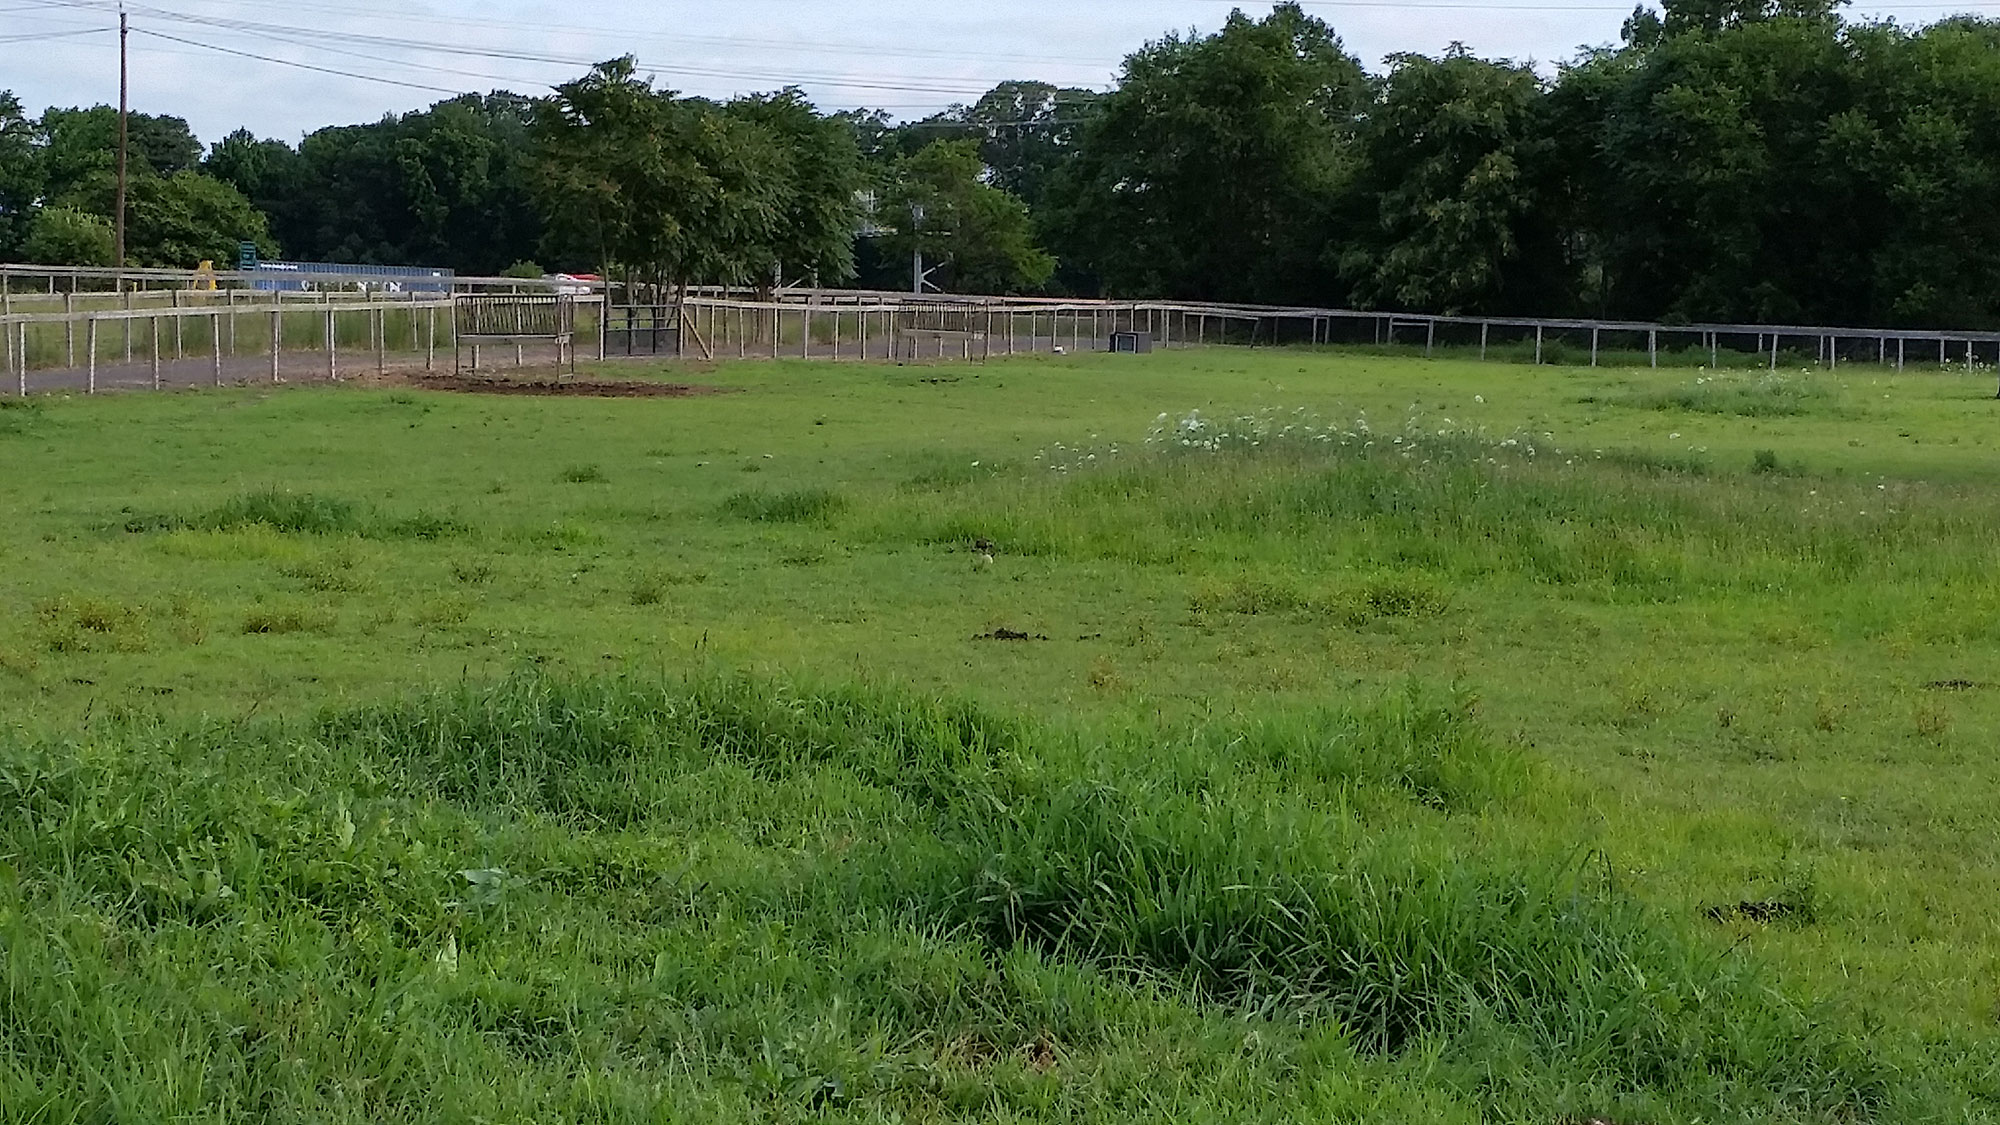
(1005, 634)
(557, 388)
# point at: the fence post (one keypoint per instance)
(1899, 352)
(1430, 338)
(277, 337)
(1774, 351)
(180, 347)
(1593, 347)
(1538, 345)
(153, 322)
(1714, 352)
(90, 342)
(69, 329)
(127, 322)
(332, 346)
(215, 346)
(22, 377)
(431, 338)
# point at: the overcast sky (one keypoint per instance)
(194, 58)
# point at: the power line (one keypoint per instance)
(285, 33)
(628, 34)
(31, 36)
(300, 65)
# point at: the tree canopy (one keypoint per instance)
(938, 203)
(1216, 167)
(1741, 160)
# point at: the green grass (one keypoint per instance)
(1771, 395)
(1389, 741)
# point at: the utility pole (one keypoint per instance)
(124, 33)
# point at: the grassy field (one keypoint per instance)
(1225, 734)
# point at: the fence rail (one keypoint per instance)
(81, 340)
(205, 338)
(24, 281)
(835, 324)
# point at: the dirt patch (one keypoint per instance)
(557, 388)
(1009, 635)
(1954, 685)
(1762, 913)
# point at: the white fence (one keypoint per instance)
(85, 339)
(183, 338)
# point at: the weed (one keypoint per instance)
(1399, 596)
(18, 662)
(444, 613)
(424, 526)
(583, 474)
(335, 571)
(185, 618)
(563, 535)
(279, 620)
(19, 416)
(1248, 596)
(1404, 596)
(72, 625)
(1932, 721)
(1103, 675)
(472, 572)
(648, 587)
(1681, 464)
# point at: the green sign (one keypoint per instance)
(246, 255)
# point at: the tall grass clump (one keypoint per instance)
(1770, 395)
(302, 513)
(804, 505)
(299, 513)
(1288, 492)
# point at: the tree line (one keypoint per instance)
(1740, 160)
